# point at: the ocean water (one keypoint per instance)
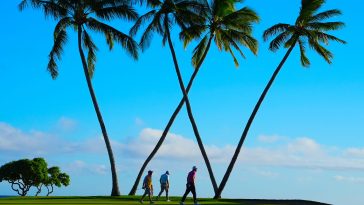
(4, 196)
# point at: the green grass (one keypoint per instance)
(135, 200)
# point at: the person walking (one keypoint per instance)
(164, 180)
(148, 187)
(190, 186)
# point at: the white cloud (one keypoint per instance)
(15, 140)
(266, 173)
(269, 139)
(300, 152)
(297, 153)
(305, 146)
(174, 146)
(67, 124)
(139, 121)
(355, 152)
(349, 179)
(81, 167)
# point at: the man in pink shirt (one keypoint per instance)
(190, 186)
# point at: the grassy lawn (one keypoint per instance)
(135, 200)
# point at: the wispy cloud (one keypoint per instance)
(139, 122)
(355, 152)
(302, 152)
(66, 123)
(81, 167)
(269, 139)
(36, 142)
(349, 179)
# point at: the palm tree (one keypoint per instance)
(221, 23)
(308, 28)
(162, 16)
(82, 15)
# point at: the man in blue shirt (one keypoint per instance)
(164, 180)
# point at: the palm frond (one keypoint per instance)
(198, 51)
(223, 7)
(141, 20)
(308, 8)
(244, 15)
(279, 40)
(325, 38)
(234, 58)
(155, 25)
(56, 53)
(62, 25)
(109, 40)
(218, 41)
(190, 33)
(244, 39)
(153, 3)
(272, 31)
(91, 55)
(292, 41)
(304, 60)
(122, 11)
(23, 4)
(195, 6)
(325, 15)
(49, 7)
(229, 40)
(185, 18)
(125, 41)
(323, 52)
(327, 26)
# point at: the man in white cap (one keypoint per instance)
(164, 180)
(190, 186)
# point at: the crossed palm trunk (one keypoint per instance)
(247, 126)
(189, 111)
(115, 187)
(170, 123)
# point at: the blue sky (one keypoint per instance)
(306, 142)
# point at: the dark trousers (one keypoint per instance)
(190, 187)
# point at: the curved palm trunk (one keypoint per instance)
(247, 126)
(189, 111)
(169, 124)
(115, 187)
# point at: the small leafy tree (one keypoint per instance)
(23, 174)
(56, 178)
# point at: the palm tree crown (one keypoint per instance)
(164, 14)
(229, 28)
(308, 28)
(83, 14)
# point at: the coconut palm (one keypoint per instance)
(162, 16)
(310, 29)
(222, 21)
(82, 16)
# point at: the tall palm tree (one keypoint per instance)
(82, 15)
(310, 29)
(162, 16)
(221, 19)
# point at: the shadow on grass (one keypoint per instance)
(135, 199)
(272, 202)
